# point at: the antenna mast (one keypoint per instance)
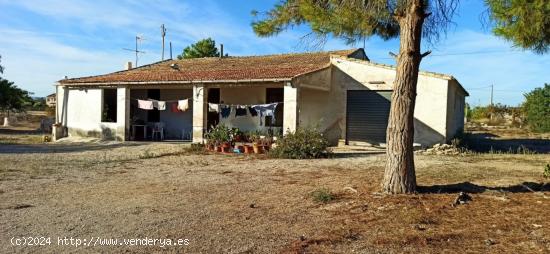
(137, 51)
(163, 34)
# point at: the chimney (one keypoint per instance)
(221, 50)
(128, 66)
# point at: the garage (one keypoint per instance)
(367, 115)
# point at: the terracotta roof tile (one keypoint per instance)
(283, 66)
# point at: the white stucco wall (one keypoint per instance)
(84, 114)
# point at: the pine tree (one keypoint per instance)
(203, 48)
(411, 21)
(525, 23)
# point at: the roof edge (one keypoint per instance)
(175, 82)
(391, 67)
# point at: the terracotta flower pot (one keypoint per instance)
(226, 148)
(257, 149)
(248, 149)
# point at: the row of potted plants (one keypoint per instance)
(223, 139)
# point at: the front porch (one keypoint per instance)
(193, 124)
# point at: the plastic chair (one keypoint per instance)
(158, 131)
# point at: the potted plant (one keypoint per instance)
(220, 137)
(256, 140)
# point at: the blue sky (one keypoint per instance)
(43, 40)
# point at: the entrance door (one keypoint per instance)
(367, 115)
(213, 118)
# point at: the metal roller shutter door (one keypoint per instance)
(367, 115)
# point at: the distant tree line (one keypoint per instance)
(533, 112)
(14, 99)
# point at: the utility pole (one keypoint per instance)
(137, 51)
(163, 34)
(492, 94)
(491, 105)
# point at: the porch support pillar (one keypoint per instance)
(290, 109)
(123, 113)
(199, 112)
(60, 129)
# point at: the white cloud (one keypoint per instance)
(79, 38)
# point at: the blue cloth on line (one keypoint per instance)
(240, 111)
(266, 110)
(252, 111)
(225, 111)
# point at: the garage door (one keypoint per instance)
(367, 116)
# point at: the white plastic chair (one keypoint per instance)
(158, 131)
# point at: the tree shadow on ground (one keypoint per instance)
(60, 148)
(356, 154)
(487, 142)
(20, 131)
(469, 187)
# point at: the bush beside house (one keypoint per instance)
(304, 143)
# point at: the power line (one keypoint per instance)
(467, 53)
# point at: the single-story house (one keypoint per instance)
(340, 92)
(50, 100)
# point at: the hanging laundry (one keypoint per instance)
(212, 107)
(252, 111)
(183, 105)
(143, 104)
(240, 111)
(161, 105)
(266, 110)
(225, 111)
(174, 108)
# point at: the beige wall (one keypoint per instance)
(455, 105)
(247, 96)
(327, 109)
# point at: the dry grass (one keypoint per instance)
(245, 204)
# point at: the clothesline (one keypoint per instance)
(160, 100)
(224, 104)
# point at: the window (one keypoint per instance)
(275, 95)
(108, 112)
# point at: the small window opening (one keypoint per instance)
(109, 110)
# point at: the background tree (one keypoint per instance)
(1, 67)
(525, 23)
(203, 48)
(537, 108)
(410, 20)
(13, 98)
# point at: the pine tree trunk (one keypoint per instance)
(399, 175)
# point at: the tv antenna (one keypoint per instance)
(139, 38)
(163, 34)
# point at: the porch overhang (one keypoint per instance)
(179, 82)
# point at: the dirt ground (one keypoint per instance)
(240, 204)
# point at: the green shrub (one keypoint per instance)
(478, 113)
(322, 195)
(305, 143)
(537, 109)
(546, 172)
(218, 135)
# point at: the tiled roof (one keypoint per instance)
(269, 67)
